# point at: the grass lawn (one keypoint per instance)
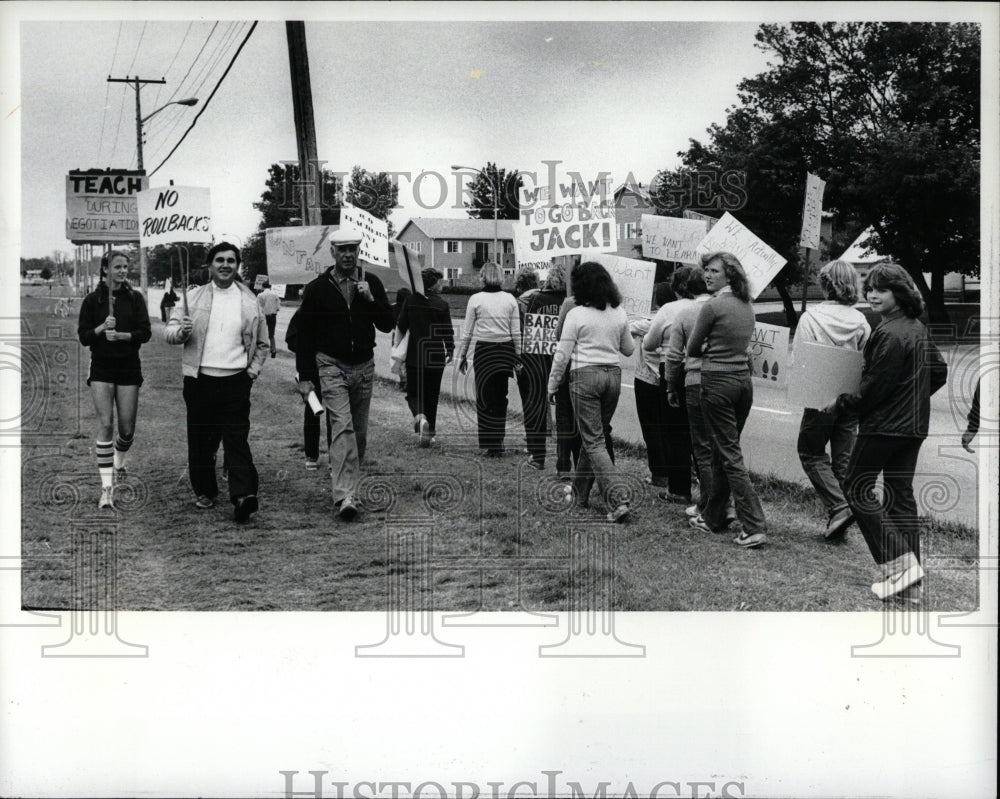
(460, 532)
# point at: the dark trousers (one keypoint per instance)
(493, 364)
(890, 526)
(726, 399)
(532, 385)
(423, 390)
(218, 409)
(568, 441)
(310, 426)
(667, 435)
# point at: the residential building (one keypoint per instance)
(457, 248)
(631, 202)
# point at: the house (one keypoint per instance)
(631, 202)
(457, 248)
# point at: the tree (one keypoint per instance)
(279, 205)
(492, 185)
(888, 115)
(46, 273)
(373, 192)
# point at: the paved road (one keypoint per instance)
(947, 476)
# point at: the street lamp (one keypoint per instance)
(496, 205)
(139, 121)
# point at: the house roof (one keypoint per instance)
(460, 229)
(635, 188)
(858, 254)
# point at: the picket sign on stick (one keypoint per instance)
(186, 275)
(670, 238)
(759, 261)
(409, 265)
(812, 217)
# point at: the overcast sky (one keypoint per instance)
(403, 96)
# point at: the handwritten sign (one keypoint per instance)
(668, 238)
(374, 234)
(812, 212)
(297, 254)
(634, 279)
(708, 220)
(174, 213)
(769, 355)
(760, 262)
(577, 219)
(821, 373)
(540, 333)
(101, 206)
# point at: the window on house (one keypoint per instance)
(483, 251)
(632, 230)
(414, 245)
(452, 273)
(452, 246)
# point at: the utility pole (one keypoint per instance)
(137, 83)
(305, 125)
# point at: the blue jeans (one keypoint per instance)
(826, 472)
(594, 391)
(726, 399)
(701, 444)
(347, 396)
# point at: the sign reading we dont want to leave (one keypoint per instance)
(175, 213)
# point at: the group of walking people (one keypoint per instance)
(563, 341)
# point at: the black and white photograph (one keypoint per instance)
(499, 399)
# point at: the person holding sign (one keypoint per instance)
(114, 323)
(720, 337)
(225, 343)
(594, 335)
(836, 323)
(492, 319)
(427, 318)
(339, 313)
(902, 369)
(541, 313)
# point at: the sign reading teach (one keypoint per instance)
(174, 213)
(101, 205)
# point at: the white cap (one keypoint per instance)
(343, 236)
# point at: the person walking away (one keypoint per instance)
(834, 322)
(493, 322)
(270, 304)
(594, 336)
(114, 323)
(427, 318)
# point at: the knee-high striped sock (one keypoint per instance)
(122, 446)
(105, 462)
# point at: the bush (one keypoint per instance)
(466, 291)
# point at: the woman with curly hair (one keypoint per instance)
(594, 336)
(720, 338)
(902, 369)
(114, 323)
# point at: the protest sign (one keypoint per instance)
(634, 280)
(768, 352)
(760, 262)
(297, 254)
(708, 220)
(409, 264)
(174, 214)
(668, 238)
(812, 212)
(820, 373)
(259, 281)
(540, 334)
(578, 219)
(101, 205)
(374, 234)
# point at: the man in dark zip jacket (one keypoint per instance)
(337, 319)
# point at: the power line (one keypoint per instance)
(169, 99)
(156, 97)
(137, 46)
(209, 100)
(107, 94)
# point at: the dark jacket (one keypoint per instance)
(130, 315)
(544, 305)
(432, 335)
(169, 299)
(326, 323)
(902, 368)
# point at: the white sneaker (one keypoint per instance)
(902, 573)
(619, 513)
(424, 439)
(107, 499)
(691, 510)
(312, 465)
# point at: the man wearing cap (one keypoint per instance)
(225, 345)
(337, 319)
(427, 318)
